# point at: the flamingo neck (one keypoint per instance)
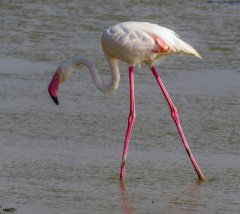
(69, 67)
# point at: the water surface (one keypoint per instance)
(66, 159)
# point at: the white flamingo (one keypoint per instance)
(133, 43)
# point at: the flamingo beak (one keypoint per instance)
(53, 86)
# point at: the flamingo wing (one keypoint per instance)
(136, 42)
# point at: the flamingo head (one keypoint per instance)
(54, 85)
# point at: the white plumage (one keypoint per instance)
(137, 42)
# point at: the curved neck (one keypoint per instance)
(69, 66)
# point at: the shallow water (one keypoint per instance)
(66, 159)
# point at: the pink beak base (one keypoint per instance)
(53, 87)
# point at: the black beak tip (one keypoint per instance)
(55, 100)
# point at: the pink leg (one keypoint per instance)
(175, 117)
(131, 119)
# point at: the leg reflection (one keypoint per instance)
(127, 208)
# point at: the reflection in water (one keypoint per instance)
(125, 199)
(183, 203)
(186, 201)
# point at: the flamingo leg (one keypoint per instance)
(131, 119)
(175, 117)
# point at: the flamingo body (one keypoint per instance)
(133, 43)
(138, 42)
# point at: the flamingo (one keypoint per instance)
(134, 43)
